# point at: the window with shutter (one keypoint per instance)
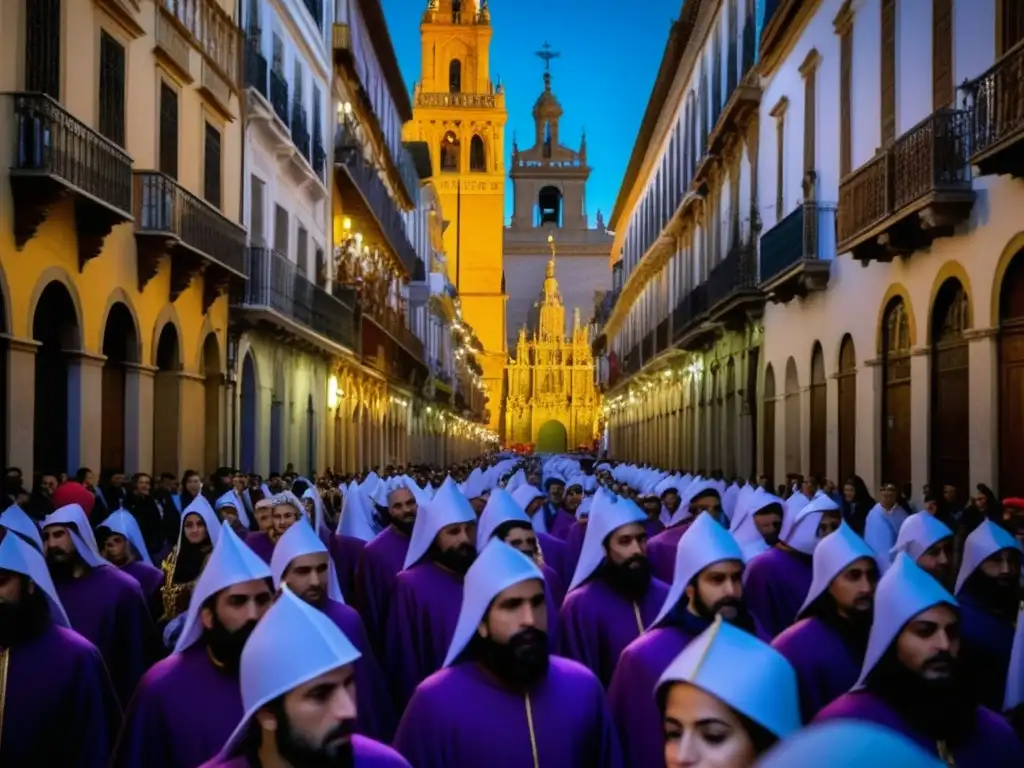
(810, 115)
(780, 178)
(301, 255)
(212, 166)
(845, 99)
(168, 131)
(256, 201)
(281, 231)
(42, 47)
(888, 71)
(1011, 21)
(942, 53)
(111, 123)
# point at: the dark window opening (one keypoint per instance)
(455, 76)
(42, 47)
(456, 11)
(168, 131)
(477, 157)
(111, 89)
(549, 203)
(211, 166)
(547, 139)
(450, 149)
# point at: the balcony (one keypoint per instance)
(690, 329)
(631, 363)
(319, 156)
(316, 10)
(362, 190)
(661, 337)
(171, 221)
(256, 69)
(389, 347)
(279, 96)
(279, 297)
(211, 30)
(997, 116)
(797, 253)
(909, 194)
(647, 348)
(461, 100)
(300, 132)
(734, 295)
(58, 156)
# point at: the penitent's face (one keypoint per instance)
(702, 732)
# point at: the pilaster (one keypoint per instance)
(920, 421)
(85, 409)
(192, 427)
(20, 405)
(983, 390)
(138, 417)
(805, 430)
(832, 430)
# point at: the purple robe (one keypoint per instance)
(826, 663)
(376, 715)
(345, 552)
(596, 623)
(107, 608)
(574, 545)
(462, 717)
(986, 643)
(150, 577)
(653, 527)
(555, 553)
(367, 753)
(555, 585)
(631, 693)
(991, 744)
(775, 585)
(261, 543)
(61, 708)
(182, 714)
(661, 551)
(561, 523)
(379, 565)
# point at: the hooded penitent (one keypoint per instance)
(299, 540)
(73, 518)
(232, 499)
(18, 556)
(848, 744)
(710, 662)
(919, 533)
(608, 514)
(743, 525)
(448, 507)
(501, 508)
(834, 554)
(661, 549)
(15, 519)
(123, 524)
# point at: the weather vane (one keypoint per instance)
(546, 54)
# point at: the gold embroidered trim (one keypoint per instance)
(5, 660)
(533, 734)
(712, 635)
(639, 619)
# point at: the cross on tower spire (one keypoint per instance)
(546, 55)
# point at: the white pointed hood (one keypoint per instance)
(232, 499)
(313, 495)
(1014, 695)
(300, 539)
(847, 744)
(18, 556)
(200, 506)
(501, 508)
(230, 563)
(357, 514)
(476, 485)
(495, 569)
(16, 519)
(766, 689)
(705, 543)
(800, 529)
(833, 555)
(919, 533)
(903, 592)
(796, 502)
(609, 513)
(267, 674)
(984, 541)
(448, 507)
(742, 524)
(698, 487)
(125, 524)
(83, 538)
(516, 481)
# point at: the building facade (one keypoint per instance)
(683, 338)
(460, 114)
(892, 346)
(549, 182)
(120, 235)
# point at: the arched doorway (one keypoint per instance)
(768, 433)
(846, 380)
(277, 420)
(552, 437)
(247, 414)
(310, 436)
(730, 418)
(896, 445)
(213, 381)
(950, 402)
(55, 327)
(793, 431)
(1011, 379)
(120, 346)
(450, 151)
(819, 412)
(166, 398)
(477, 155)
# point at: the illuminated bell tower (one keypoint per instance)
(461, 115)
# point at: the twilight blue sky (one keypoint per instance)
(610, 55)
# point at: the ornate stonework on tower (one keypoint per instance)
(461, 114)
(552, 401)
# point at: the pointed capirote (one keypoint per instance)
(705, 542)
(833, 555)
(299, 540)
(448, 507)
(904, 591)
(230, 563)
(764, 691)
(495, 569)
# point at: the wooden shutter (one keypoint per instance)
(301, 252)
(111, 91)
(845, 100)
(1011, 21)
(168, 131)
(810, 114)
(42, 47)
(888, 71)
(281, 230)
(211, 166)
(256, 202)
(942, 53)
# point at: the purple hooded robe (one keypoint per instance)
(596, 623)
(556, 555)
(986, 643)
(261, 543)
(367, 753)
(775, 585)
(991, 743)
(661, 550)
(462, 717)
(60, 705)
(574, 545)
(379, 565)
(345, 552)
(561, 523)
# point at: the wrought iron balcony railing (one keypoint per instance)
(647, 348)
(996, 99)
(255, 67)
(276, 283)
(689, 310)
(806, 235)
(300, 132)
(319, 156)
(736, 272)
(661, 336)
(279, 95)
(212, 30)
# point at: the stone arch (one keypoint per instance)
(211, 368)
(768, 429)
(205, 333)
(477, 154)
(793, 429)
(955, 271)
(818, 411)
(450, 152)
(168, 315)
(949, 384)
(248, 409)
(119, 343)
(1014, 246)
(167, 359)
(57, 275)
(552, 437)
(896, 337)
(118, 296)
(455, 75)
(550, 203)
(896, 290)
(846, 379)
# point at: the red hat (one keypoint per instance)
(70, 492)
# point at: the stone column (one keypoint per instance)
(138, 417)
(832, 430)
(920, 419)
(192, 422)
(85, 409)
(983, 390)
(20, 405)
(869, 422)
(805, 430)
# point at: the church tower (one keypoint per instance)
(461, 115)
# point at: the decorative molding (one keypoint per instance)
(977, 334)
(19, 344)
(810, 63)
(779, 110)
(920, 351)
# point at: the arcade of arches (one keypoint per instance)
(945, 395)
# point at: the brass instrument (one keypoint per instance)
(175, 596)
